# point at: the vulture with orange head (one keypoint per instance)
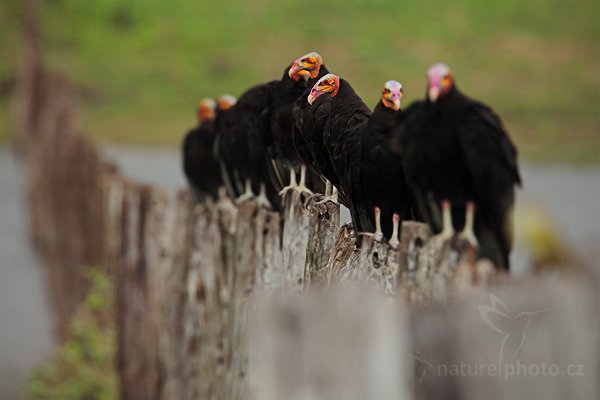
(277, 121)
(200, 165)
(337, 109)
(244, 160)
(374, 175)
(309, 120)
(461, 166)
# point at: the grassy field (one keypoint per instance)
(142, 65)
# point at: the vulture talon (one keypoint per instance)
(247, 195)
(301, 188)
(292, 186)
(376, 236)
(467, 233)
(262, 200)
(333, 198)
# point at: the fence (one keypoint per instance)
(225, 301)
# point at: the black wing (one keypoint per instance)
(351, 157)
(491, 160)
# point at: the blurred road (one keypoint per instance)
(25, 319)
(569, 195)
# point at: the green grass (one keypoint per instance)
(142, 65)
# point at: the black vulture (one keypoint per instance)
(239, 147)
(276, 128)
(457, 154)
(374, 175)
(341, 143)
(308, 121)
(199, 163)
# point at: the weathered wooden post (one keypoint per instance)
(344, 257)
(250, 239)
(323, 233)
(331, 343)
(137, 331)
(378, 265)
(295, 240)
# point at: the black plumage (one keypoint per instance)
(276, 128)
(343, 147)
(456, 149)
(307, 130)
(200, 165)
(374, 174)
(347, 110)
(240, 146)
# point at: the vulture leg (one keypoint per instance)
(262, 199)
(467, 233)
(378, 234)
(448, 229)
(394, 241)
(247, 193)
(302, 185)
(292, 186)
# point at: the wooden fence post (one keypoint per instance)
(323, 233)
(137, 333)
(295, 241)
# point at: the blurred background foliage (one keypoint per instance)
(83, 368)
(142, 65)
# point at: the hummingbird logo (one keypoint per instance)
(512, 326)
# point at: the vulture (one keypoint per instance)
(309, 120)
(244, 160)
(200, 165)
(276, 128)
(374, 176)
(458, 157)
(345, 110)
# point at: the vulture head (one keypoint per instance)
(440, 81)
(225, 102)
(206, 109)
(392, 94)
(329, 83)
(306, 67)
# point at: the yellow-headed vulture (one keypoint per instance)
(244, 160)
(199, 163)
(337, 109)
(458, 155)
(374, 178)
(277, 128)
(308, 121)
